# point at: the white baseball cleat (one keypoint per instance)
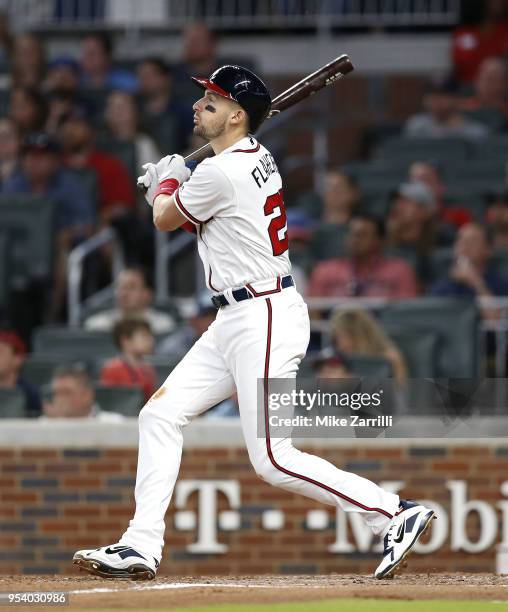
(116, 561)
(407, 526)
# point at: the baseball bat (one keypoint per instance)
(309, 85)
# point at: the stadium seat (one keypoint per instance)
(416, 149)
(12, 404)
(74, 343)
(491, 171)
(454, 321)
(124, 400)
(163, 365)
(490, 117)
(419, 350)
(492, 148)
(5, 270)
(29, 221)
(365, 366)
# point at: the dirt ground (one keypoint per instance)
(179, 591)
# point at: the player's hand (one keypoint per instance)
(150, 182)
(172, 167)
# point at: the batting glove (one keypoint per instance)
(172, 167)
(149, 181)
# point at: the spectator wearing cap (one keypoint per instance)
(10, 149)
(496, 218)
(116, 191)
(62, 91)
(355, 331)
(469, 275)
(164, 118)
(135, 341)
(41, 174)
(97, 67)
(441, 117)
(198, 317)
(133, 298)
(73, 397)
(365, 271)
(12, 356)
(429, 174)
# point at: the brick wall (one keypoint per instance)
(56, 500)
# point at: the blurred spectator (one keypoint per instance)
(12, 356)
(341, 197)
(73, 397)
(116, 191)
(6, 42)
(430, 174)
(198, 320)
(441, 117)
(62, 90)
(10, 149)
(490, 89)
(28, 61)
(199, 52)
(28, 109)
(472, 44)
(97, 65)
(469, 275)
(122, 123)
(133, 297)
(414, 228)
(41, 174)
(330, 363)
(168, 121)
(135, 340)
(357, 332)
(365, 271)
(300, 228)
(496, 217)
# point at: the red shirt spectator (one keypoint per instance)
(116, 191)
(135, 340)
(366, 272)
(119, 371)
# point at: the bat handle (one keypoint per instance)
(198, 155)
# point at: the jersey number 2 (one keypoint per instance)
(274, 201)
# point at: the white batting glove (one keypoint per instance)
(149, 181)
(172, 167)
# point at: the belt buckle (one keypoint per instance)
(216, 301)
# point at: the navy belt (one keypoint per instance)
(247, 292)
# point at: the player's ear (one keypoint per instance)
(238, 116)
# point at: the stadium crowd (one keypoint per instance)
(423, 216)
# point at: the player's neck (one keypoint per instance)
(226, 139)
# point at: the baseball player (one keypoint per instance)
(234, 202)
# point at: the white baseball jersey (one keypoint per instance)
(235, 199)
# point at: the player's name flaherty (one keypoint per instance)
(328, 420)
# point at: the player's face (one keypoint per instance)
(211, 115)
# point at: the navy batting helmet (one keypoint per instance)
(242, 86)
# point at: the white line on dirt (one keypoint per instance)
(186, 585)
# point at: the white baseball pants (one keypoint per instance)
(249, 340)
